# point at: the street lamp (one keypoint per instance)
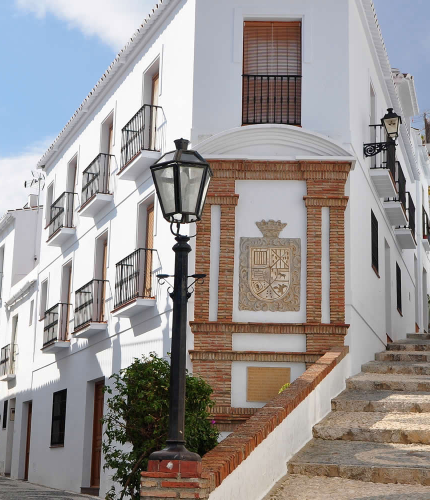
(391, 122)
(181, 179)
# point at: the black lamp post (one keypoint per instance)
(391, 122)
(181, 180)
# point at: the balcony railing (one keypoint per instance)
(401, 185)
(61, 213)
(134, 277)
(7, 360)
(271, 99)
(56, 324)
(96, 177)
(89, 303)
(426, 226)
(411, 213)
(141, 133)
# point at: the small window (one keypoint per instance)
(30, 321)
(58, 418)
(43, 299)
(4, 423)
(375, 248)
(399, 288)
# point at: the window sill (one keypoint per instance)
(57, 446)
(400, 312)
(376, 271)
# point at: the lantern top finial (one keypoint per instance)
(181, 144)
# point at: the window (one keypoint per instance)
(272, 72)
(49, 200)
(4, 423)
(58, 418)
(1, 269)
(43, 299)
(375, 248)
(399, 288)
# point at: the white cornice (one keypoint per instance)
(123, 57)
(5, 221)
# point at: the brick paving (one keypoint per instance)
(11, 489)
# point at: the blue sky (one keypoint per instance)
(54, 51)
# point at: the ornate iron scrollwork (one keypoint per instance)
(373, 149)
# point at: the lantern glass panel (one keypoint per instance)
(203, 198)
(190, 180)
(392, 126)
(166, 188)
(187, 157)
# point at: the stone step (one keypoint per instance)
(301, 487)
(389, 382)
(420, 336)
(382, 401)
(377, 427)
(378, 463)
(409, 345)
(407, 368)
(403, 356)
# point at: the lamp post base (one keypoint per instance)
(175, 451)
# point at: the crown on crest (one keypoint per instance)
(271, 228)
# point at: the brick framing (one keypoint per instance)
(212, 355)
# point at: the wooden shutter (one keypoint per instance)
(375, 247)
(272, 70)
(399, 287)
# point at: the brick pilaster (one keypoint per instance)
(313, 265)
(203, 251)
(337, 264)
(226, 263)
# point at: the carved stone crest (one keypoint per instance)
(269, 277)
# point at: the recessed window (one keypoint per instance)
(30, 321)
(272, 72)
(4, 423)
(58, 418)
(43, 299)
(374, 238)
(399, 288)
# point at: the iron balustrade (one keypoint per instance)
(61, 212)
(271, 99)
(426, 226)
(141, 133)
(56, 323)
(89, 303)
(96, 177)
(401, 185)
(7, 360)
(134, 277)
(411, 214)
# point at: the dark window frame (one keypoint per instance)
(399, 288)
(59, 404)
(5, 409)
(374, 236)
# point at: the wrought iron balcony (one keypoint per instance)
(271, 99)
(55, 329)
(89, 308)
(406, 233)
(96, 177)
(61, 213)
(134, 283)
(7, 363)
(141, 133)
(426, 230)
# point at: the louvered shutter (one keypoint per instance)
(272, 70)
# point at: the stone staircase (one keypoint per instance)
(375, 443)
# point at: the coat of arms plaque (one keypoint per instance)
(270, 270)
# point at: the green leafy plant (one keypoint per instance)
(137, 416)
(285, 386)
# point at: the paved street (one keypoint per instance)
(18, 490)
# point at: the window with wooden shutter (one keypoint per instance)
(272, 72)
(374, 237)
(399, 288)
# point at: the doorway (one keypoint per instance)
(100, 274)
(388, 290)
(66, 297)
(28, 440)
(9, 439)
(96, 452)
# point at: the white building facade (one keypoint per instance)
(306, 242)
